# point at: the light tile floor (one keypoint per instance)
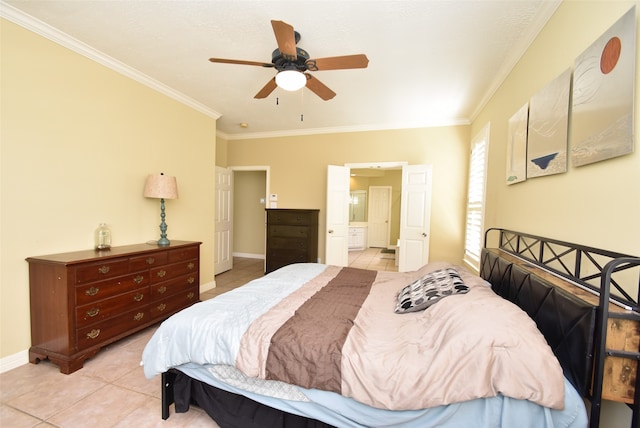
(111, 389)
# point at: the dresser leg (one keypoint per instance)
(67, 365)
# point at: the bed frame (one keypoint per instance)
(580, 298)
(565, 288)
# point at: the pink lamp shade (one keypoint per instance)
(161, 186)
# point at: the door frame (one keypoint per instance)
(267, 170)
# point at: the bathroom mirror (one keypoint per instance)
(358, 206)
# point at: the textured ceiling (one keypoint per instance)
(431, 63)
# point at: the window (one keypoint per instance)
(474, 230)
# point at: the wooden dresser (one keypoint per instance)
(84, 300)
(292, 237)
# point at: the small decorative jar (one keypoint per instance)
(103, 237)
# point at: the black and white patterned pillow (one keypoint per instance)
(429, 289)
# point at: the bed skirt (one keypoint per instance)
(231, 410)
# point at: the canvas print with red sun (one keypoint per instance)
(603, 90)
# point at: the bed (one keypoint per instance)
(434, 347)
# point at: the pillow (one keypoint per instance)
(429, 289)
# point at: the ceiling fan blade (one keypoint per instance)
(267, 89)
(241, 62)
(286, 38)
(338, 62)
(319, 88)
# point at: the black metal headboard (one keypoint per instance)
(567, 323)
(525, 269)
(580, 264)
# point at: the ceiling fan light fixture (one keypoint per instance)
(291, 80)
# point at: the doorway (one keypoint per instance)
(415, 208)
(248, 200)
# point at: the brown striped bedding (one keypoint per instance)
(339, 333)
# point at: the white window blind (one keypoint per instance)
(474, 232)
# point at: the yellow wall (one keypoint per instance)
(299, 172)
(597, 204)
(249, 234)
(77, 141)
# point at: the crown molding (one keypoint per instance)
(339, 130)
(34, 25)
(548, 8)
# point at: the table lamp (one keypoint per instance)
(161, 187)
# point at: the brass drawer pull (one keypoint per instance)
(162, 289)
(104, 269)
(162, 307)
(190, 295)
(138, 279)
(138, 316)
(92, 291)
(191, 265)
(150, 260)
(93, 312)
(138, 297)
(161, 273)
(93, 333)
(191, 280)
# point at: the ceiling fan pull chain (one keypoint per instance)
(277, 101)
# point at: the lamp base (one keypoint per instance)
(163, 242)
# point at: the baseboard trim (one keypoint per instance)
(11, 362)
(207, 286)
(249, 255)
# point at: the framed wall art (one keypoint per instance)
(603, 88)
(517, 146)
(548, 128)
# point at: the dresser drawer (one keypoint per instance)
(290, 218)
(107, 308)
(101, 270)
(95, 291)
(280, 243)
(301, 232)
(173, 286)
(166, 272)
(164, 308)
(101, 332)
(148, 261)
(182, 254)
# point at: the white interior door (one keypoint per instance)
(337, 232)
(223, 240)
(415, 217)
(379, 216)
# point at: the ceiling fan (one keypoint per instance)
(292, 64)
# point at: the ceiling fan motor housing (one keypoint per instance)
(282, 64)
